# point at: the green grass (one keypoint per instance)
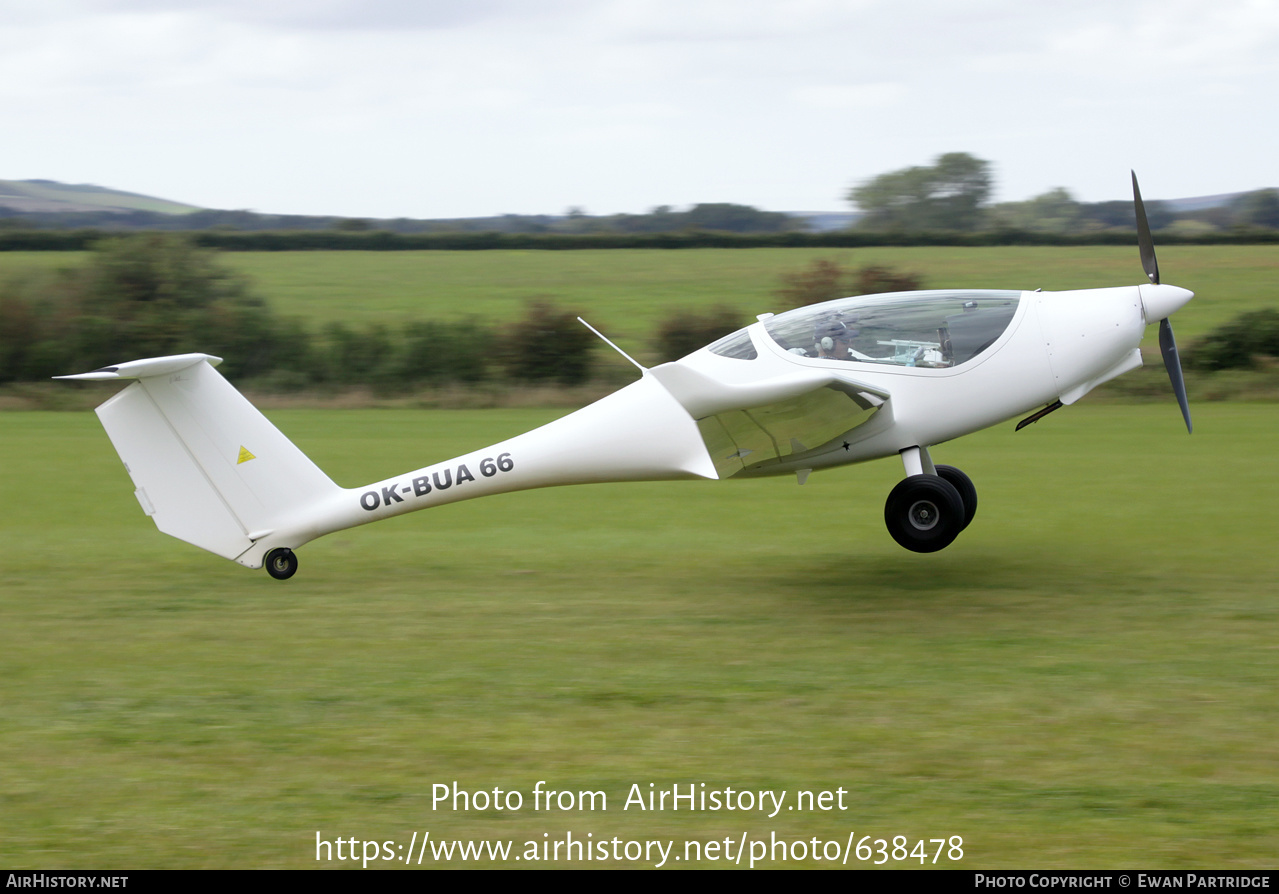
(1084, 679)
(628, 292)
(631, 291)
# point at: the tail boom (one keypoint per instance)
(640, 433)
(211, 470)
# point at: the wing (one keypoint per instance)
(755, 427)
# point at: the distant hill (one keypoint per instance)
(49, 196)
(1202, 203)
(826, 221)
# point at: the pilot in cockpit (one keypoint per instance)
(834, 338)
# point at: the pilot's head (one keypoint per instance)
(833, 338)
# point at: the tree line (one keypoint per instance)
(953, 195)
(715, 217)
(82, 240)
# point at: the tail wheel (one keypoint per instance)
(924, 513)
(281, 563)
(967, 492)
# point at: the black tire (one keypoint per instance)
(967, 491)
(281, 563)
(924, 513)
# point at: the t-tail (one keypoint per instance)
(206, 465)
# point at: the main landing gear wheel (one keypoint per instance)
(924, 513)
(281, 563)
(967, 492)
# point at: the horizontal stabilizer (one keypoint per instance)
(140, 369)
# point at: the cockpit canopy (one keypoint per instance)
(935, 330)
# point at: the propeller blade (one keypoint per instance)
(1144, 243)
(1172, 363)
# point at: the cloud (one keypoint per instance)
(851, 96)
(734, 100)
(349, 15)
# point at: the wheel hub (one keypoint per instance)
(924, 515)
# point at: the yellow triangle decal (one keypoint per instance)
(245, 456)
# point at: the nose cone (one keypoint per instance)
(1161, 302)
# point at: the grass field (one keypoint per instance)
(628, 291)
(1086, 678)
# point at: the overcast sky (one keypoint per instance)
(460, 108)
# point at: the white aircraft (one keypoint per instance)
(841, 382)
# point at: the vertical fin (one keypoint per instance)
(210, 467)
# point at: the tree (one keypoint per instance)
(1056, 211)
(1118, 215)
(546, 344)
(684, 331)
(140, 296)
(949, 195)
(822, 280)
(730, 218)
(447, 351)
(1258, 209)
(1238, 343)
(150, 295)
(825, 280)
